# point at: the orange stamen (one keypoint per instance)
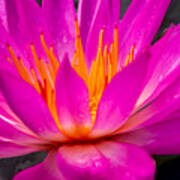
(49, 53)
(8, 59)
(79, 63)
(116, 47)
(131, 54)
(15, 60)
(25, 71)
(42, 78)
(129, 58)
(126, 61)
(36, 83)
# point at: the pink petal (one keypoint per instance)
(139, 25)
(9, 149)
(105, 160)
(157, 109)
(12, 130)
(119, 98)
(3, 15)
(159, 138)
(89, 10)
(6, 110)
(47, 170)
(94, 16)
(60, 18)
(9, 17)
(165, 65)
(72, 100)
(25, 28)
(23, 25)
(13, 35)
(31, 24)
(29, 106)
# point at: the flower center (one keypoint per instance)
(42, 76)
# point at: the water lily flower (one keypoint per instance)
(88, 88)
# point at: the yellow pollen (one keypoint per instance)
(103, 68)
(79, 63)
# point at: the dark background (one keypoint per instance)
(168, 167)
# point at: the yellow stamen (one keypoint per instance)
(129, 58)
(8, 59)
(103, 68)
(116, 47)
(49, 53)
(25, 71)
(109, 68)
(52, 74)
(53, 60)
(126, 61)
(36, 83)
(131, 54)
(15, 60)
(79, 63)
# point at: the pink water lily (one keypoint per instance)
(88, 88)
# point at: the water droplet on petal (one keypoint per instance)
(176, 96)
(160, 78)
(64, 39)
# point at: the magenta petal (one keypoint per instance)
(85, 16)
(157, 109)
(89, 10)
(119, 98)
(29, 106)
(30, 23)
(13, 131)
(72, 100)
(114, 6)
(9, 17)
(165, 64)
(7, 112)
(6, 16)
(159, 138)
(47, 170)
(139, 25)
(3, 14)
(60, 18)
(12, 128)
(24, 27)
(9, 149)
(105, 160)
(94, 16)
